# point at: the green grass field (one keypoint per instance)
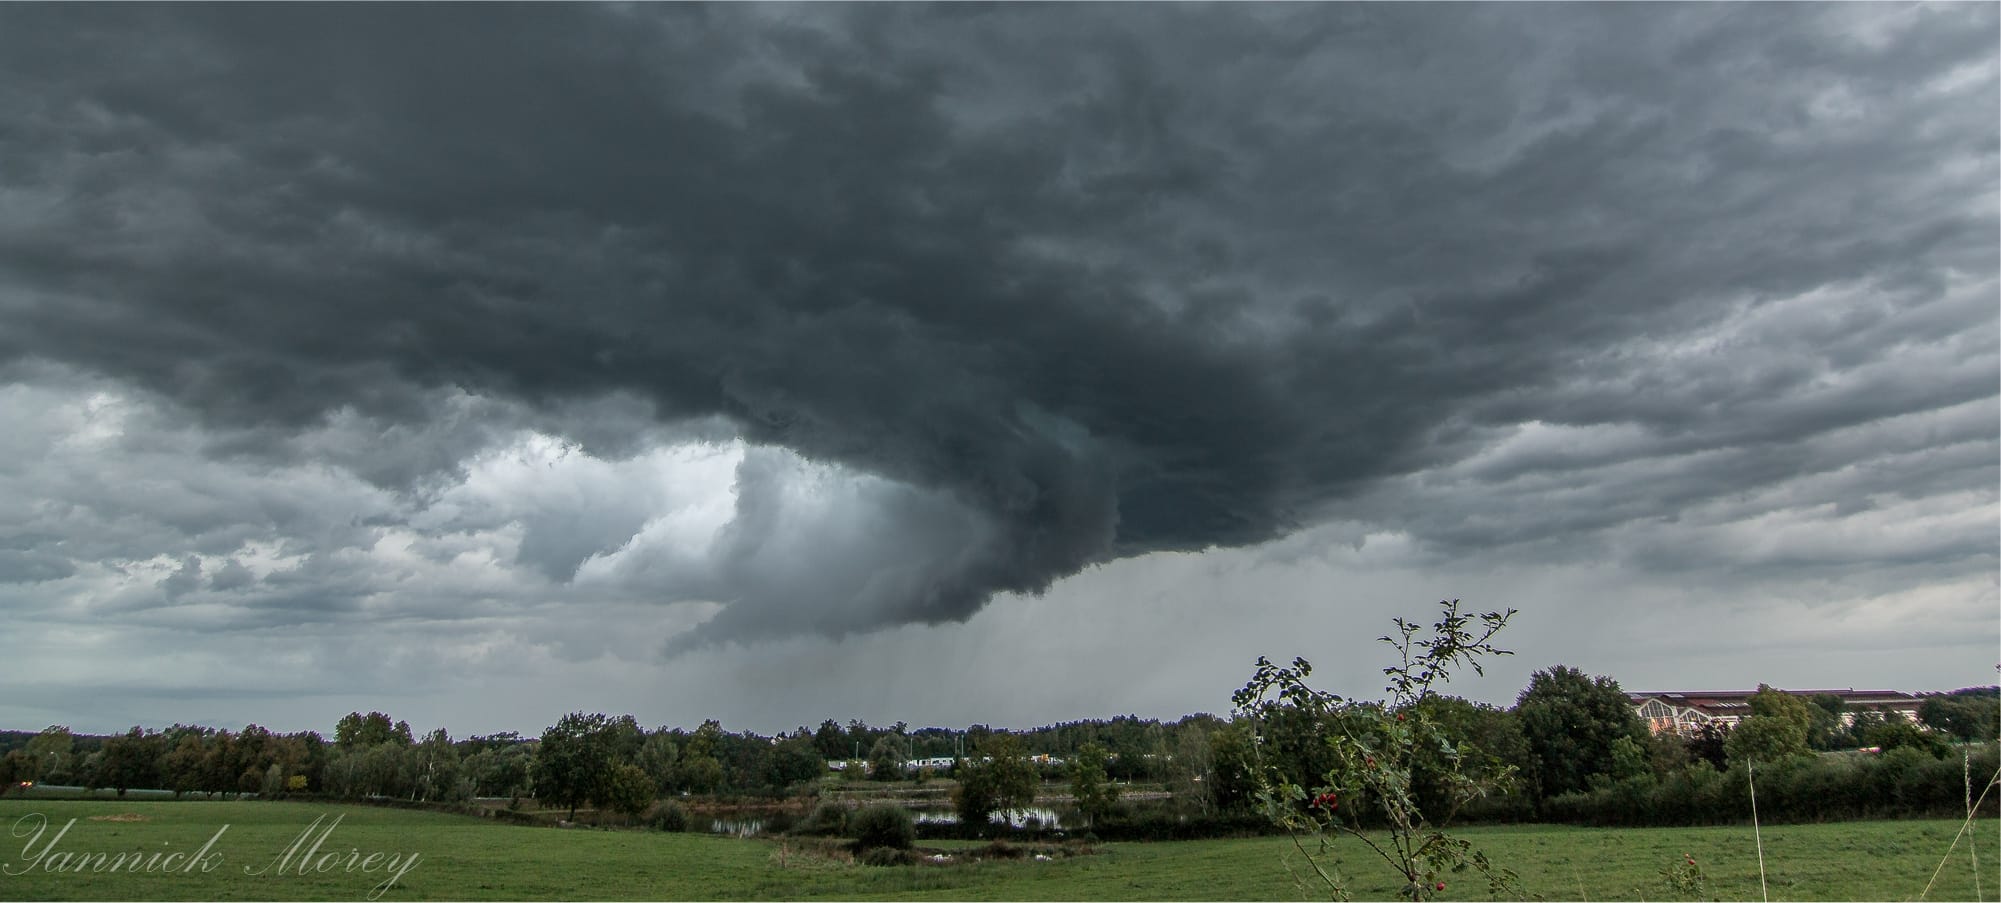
(466, 858)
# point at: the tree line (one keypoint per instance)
(1570, 739)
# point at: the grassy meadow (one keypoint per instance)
(467, 858)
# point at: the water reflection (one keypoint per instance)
(738, 827)
(1033, 817)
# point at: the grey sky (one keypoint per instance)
(1005, 364)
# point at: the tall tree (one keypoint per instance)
(657, 757)
(372, 729)
(1972, 714)
(1825, 730)
(1232, 782)
(999, 779)
(628, 790)
(1571, 721)
(1776, 729)
(437, 769)
(886, 757)
(50, 751)
(831, 740)
(793, 761)
(574, 761)
(131, 760)
(181, 766)
(1094, 794)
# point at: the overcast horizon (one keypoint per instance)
(984, 364)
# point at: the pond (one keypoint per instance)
(750, 824)
(1034, 816)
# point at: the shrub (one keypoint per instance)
(1366, 757)
(629, 791)
(1905, 782)
(886, 856)
(829, 818)
(668, 815)
(883, 826)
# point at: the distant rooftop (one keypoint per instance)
(1733, 695)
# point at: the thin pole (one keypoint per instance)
(1755, 835)
(1972, 849)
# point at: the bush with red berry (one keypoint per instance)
(1375, 748)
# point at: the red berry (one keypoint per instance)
(1441, 885)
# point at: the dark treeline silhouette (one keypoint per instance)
(1572, 749)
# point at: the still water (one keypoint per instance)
(749, 824)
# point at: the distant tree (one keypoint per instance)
(629, 790)
(887, 756)
(1825, 730)
(437, 769)
(1570, 721)
(861, 737)
(218, 772)
(501, 771)
(91, 772)
(832, 741)
(131, 760)
(272, 786)
(372, 729)
(13, 768)
(1901, 734)
(1194, 761)
(181, 766)
(1232, 781)
(705, 741)
(314, 751)
(1095, 796)
(1968, 715)
(657, 757)
(883, 826)
(999, 779)
(623, 738)
(1485, 740)
(701, 774)
(1629, 759)
(1865, 722)
(793, 761)
(573, 762)
(50, 750)
(1775, 730)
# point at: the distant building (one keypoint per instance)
(1686, 712)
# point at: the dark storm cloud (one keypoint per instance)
(1063, 284)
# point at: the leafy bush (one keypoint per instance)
(628, 791)
(883, 826)
(668, 815)
(886, 856)
(1684, 880)
(828, 819)
(1368, 756)
(1900, 783)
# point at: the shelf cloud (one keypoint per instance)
(822, 321)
